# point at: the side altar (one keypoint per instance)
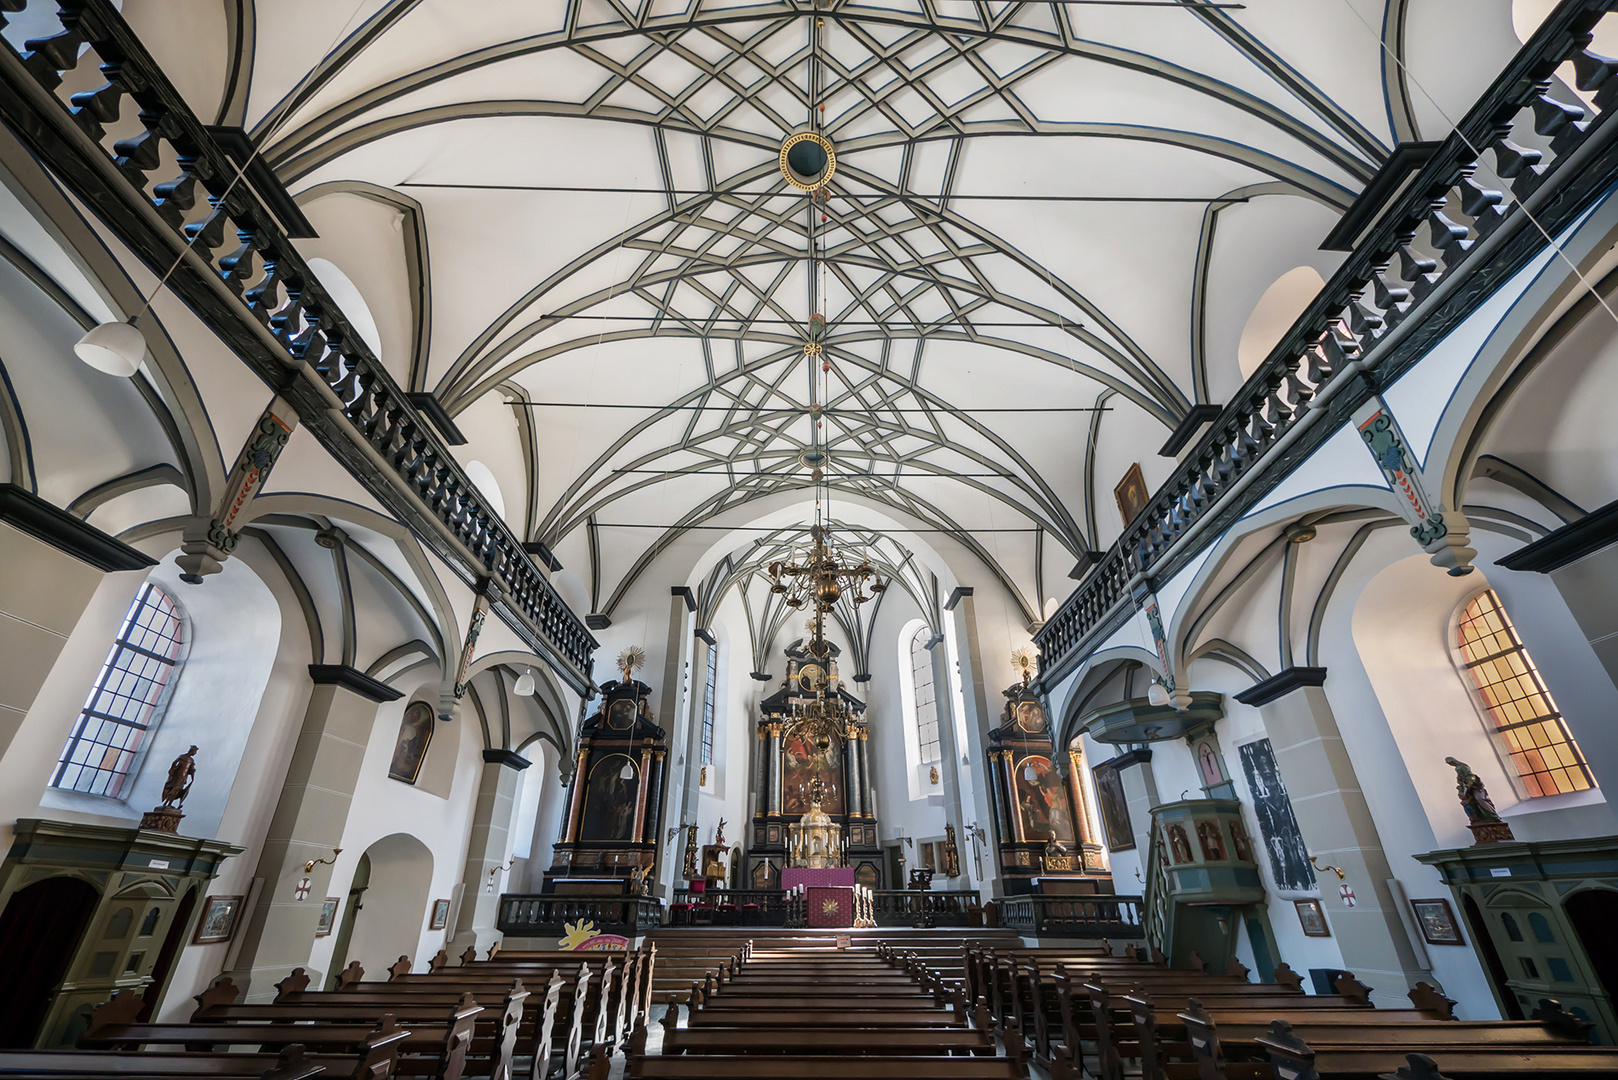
(609, 841)
(1045, 844)
(799, 758)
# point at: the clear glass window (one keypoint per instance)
(921, 674)
(124, 705)
(1547, 759)
(710, 685)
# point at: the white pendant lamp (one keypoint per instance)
(116, 348)
(1158, 694)
(525, 684)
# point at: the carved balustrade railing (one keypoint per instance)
(1115, 917)
(1456, 231)
(93, 104)
(523, 915)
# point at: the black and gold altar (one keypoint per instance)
(1044, 843)
(799, 758)
(615, 802)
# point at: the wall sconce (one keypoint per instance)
(309, 866)
(1322, 869)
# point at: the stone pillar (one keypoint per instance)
(979, 718)
(486, 850)
(1337, 826)
(1589, 586)
(867, 789)
(308, 824)
(53, 565)
(1140, 796)
(775, 770)
(674, 716)
(575, 795)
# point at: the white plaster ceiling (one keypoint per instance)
(675, 271)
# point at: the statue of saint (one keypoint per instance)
(182, 773)
(1473, 795)
(719, 834)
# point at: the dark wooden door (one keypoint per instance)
(40, 931)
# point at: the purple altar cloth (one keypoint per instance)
(831, 875)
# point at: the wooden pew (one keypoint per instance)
(437, 1050)
(373, 1060)
(532, 1035)
(1292, 1058)
(874, 1037)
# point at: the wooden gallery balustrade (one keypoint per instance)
(1418, 267)
(133, 151)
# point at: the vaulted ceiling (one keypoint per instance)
(1037, 210)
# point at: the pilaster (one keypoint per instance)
(979, 718)
(308, 825)
(486, 851)
(1336, 824)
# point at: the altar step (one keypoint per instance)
(685, 954)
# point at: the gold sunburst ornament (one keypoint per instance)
(631, 660)
(1024, 660)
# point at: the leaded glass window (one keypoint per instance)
(709, 686)
(921, 674)
(1525, 718)
(124, 705)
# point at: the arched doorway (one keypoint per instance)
(1594, 915)
(390, 922)
(179, 927)
(1484, 943)
(40, 931)
(345, 924)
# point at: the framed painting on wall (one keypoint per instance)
(1114, 808)
(218, 922)
(1437, 922)
(415, 736)
(1131, 494)
(328, 916)
(440, 915)
(1313, 918)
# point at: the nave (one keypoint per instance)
(571, 538)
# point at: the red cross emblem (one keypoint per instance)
(302, 891)
(1347, 893)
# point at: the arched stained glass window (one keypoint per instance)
(921, 675)
(126, 702)
(1547, 759)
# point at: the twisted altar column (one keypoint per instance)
(641, 791)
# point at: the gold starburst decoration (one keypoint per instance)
(1024, 660)
(631, 660)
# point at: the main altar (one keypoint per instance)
(796, 761)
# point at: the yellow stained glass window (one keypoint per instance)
(1547, 758)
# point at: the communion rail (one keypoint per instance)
(167, 188)
(533, 915)
(891, 907)
(1424, 262)
(1115, 917)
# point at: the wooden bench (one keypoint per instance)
(439, 1050)
(875, 1036)
(533, 1034)
(374, 1060)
